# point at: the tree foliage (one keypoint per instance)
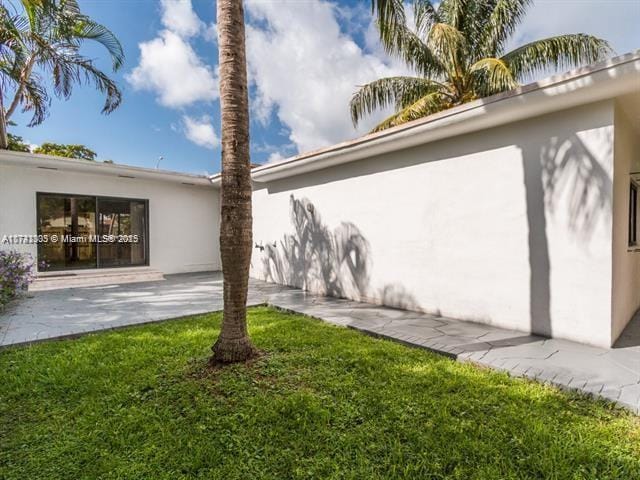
(41, 43)
(16, 144)
(457, 51)
(69, 151)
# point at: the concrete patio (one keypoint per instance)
(613, 374)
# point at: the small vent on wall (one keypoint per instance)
(48, 168)
(126, 176)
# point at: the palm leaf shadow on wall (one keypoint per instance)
(556, 170)
(329, 262)
(564, 165)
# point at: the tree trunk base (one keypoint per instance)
(233, 351)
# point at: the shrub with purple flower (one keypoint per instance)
(17, 271)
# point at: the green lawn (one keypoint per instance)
(325, 402)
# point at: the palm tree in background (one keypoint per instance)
(43, 41)
(457, 50)
(233, 344)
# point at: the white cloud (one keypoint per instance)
(614, 20)
(211, 33)
(179, 17)
(200, 131)
(171, 69)
(305, 69)
(275, 152)
(304, 63)
(169, 66)
(275, 157)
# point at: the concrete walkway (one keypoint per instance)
(610, 373)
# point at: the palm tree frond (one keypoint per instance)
(69, 7)
(401, 42)
(397, 91)
(427, 105)
(452, 12)
(457, 46)
(90, 74)
(425, 16)
(64, 75)
(562, 52)
(35, 99)
(447, 44)
(86, 29)
(491, 76)
(33, 7)
(502, 21)
(390, 15)
(11, 27)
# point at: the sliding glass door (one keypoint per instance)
(80, 231)
(125, 220)
(68, 224)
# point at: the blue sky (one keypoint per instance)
(306, 57)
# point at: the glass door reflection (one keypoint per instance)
(91, 232)
(121, 230)
(70, 220)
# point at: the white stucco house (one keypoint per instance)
(518, 210)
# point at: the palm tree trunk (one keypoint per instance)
(233, 344)
(4, 136)
(25, 75)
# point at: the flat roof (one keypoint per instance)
(50, 162)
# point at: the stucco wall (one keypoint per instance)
(183, 219)
(626, 263)
(510, 226)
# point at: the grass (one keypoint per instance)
(324, 402)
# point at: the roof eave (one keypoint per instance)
(50, 162)
(609, 79)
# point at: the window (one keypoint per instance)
(91, 232)
(633, 215)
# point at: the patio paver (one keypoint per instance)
(613, 374)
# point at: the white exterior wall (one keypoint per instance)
(626, 261)
(509, 226)
(183, 219)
